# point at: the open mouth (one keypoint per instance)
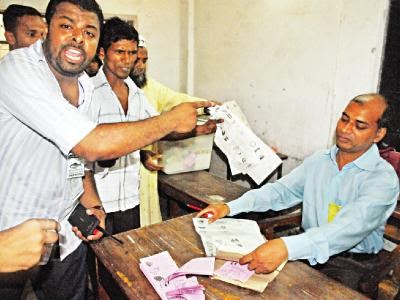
(74, 55)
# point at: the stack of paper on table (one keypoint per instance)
(170, 282)
(246, 153)
(228, 240)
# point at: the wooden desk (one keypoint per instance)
(195, 188)
(199, 189)
(296, 280)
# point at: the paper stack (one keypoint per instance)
(170, 282)
(228, 240)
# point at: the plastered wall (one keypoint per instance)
(292, 65)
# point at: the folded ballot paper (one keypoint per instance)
(228, 240)
(170, 282)
(246, 153)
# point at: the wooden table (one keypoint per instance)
(195, 189)
(296, 280)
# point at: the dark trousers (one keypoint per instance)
(56, 280)
(348, 268)
(121, 221)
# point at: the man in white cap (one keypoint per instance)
(163, 99)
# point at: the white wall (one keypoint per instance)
(291, 64)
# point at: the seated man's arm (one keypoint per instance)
(282, 194)
(285, 193)
(354, 223)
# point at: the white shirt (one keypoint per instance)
(39, 127)
(118, 186)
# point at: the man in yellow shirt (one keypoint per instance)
(163, 99)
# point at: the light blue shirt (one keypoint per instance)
(367, 189)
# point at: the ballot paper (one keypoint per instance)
(246, 152)
(170, 282)
(228, 240)
(234, 271)
(230, 236)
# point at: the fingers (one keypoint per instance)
(200, 104)
(48, 224)
(246, 259)
(50, 237)
(79, 234)
(204, 212)
(96, 236)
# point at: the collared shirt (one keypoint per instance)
(39, 127)
(118, 186)
(366, 189)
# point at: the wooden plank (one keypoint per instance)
(200, 186)
(296, 280)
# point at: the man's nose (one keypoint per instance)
(348, 127)
(78, 36)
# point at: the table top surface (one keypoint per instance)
(178, 237)
(201, 186)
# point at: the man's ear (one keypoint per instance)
(10, 38)
(102, 53)
(380, 134)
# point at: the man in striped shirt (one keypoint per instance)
(45, 134)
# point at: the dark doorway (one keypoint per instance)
(390, 76)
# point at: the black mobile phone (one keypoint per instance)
(85, 223)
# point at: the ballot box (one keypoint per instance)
(187, 155)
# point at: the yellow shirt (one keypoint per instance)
(163, 99)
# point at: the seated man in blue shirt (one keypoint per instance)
(347, 192)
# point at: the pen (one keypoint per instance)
(196, 208)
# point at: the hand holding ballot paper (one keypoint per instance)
(229, 240)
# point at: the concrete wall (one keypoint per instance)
(291, 65)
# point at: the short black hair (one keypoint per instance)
(89, 5)
(15, 11)
(384, 120)
(115, 30)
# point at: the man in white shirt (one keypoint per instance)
(45, 134)
(23, 26)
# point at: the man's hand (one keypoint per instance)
(100, 214)
(267, 257)
(216, 210)
(184, 115)
(209, 127)
(22, 246)
(150, 160)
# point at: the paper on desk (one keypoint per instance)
(246, 153)
(228, 235)
(235, 271)
(159, 270)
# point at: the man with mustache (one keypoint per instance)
(163, 99)
(46, 135)
(348, 192)
(23, 26)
